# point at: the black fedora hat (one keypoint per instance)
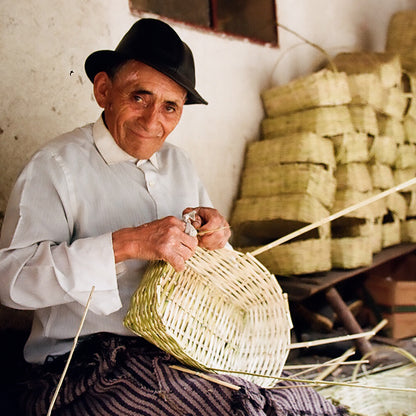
(156, 44)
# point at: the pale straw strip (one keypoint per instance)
(330, 363)
(324, 341)
(205, 376)
(327, 372)
(74, 344)
(334, 216)
(308, 367)
(318, 382)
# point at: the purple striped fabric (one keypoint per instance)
(112, 375)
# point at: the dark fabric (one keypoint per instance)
(121, 376)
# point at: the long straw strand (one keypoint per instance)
(71, 353)
(320, 382)
(334, 216)
(343, 357)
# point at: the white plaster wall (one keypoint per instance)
(45, 92)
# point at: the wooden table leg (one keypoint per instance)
(347, 318)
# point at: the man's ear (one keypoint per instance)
(102, 85)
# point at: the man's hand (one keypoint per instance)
(162, 239)
(213, 229)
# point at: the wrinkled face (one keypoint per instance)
(141, 107)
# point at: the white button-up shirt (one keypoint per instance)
(56, 238)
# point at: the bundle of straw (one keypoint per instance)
(268, 217)
(402, 175)
(391, 127)
(366, 89)
(353, 176)
(381, 176)
(408, 231)
(409, 125)
(391, 231)
(394, 103)
(300, 257)
(299, 147)
(324, 121)
(348, 197)
(351, 252)
(351, 147)
(293, 178)
(383, 149)
(323, 88)
(406, 157)
(364, 119)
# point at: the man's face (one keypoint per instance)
(141, 107)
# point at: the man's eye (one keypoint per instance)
(138, 98)
(170, 108)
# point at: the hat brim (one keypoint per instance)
(102, 60)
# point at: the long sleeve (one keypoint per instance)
(41, 265)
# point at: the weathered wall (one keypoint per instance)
(45, 91)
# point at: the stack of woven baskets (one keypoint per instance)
(288, 178)
(401, 39)
(330, 140)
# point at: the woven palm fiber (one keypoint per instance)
(401, 38)
(324, 121)
(411, 109)
(298, 147)
(274, 216)
(364, 119)
(383, 149)
(323, 88)
(351, 147)
(374, 402)
(366, 89)
(308, 178)
(409, 124)
(394, 102)
(387, 66)
(353, 176)
(403, 175)
(381, 176)
(408, 231)
(347, 197)
(397, 204)
(391, 127)
(406, 156)
(359, 227)
(297, 258)
(409, 87)
(391, 231)
(351, 252)
(225, 311)
(410, 198)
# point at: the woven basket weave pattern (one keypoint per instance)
(225, 311)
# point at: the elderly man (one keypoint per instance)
(91, 208)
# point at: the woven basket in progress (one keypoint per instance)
(225, 311)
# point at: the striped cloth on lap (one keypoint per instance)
(111, 375)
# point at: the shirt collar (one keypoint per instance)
(109, 149)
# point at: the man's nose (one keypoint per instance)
(149, 116)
